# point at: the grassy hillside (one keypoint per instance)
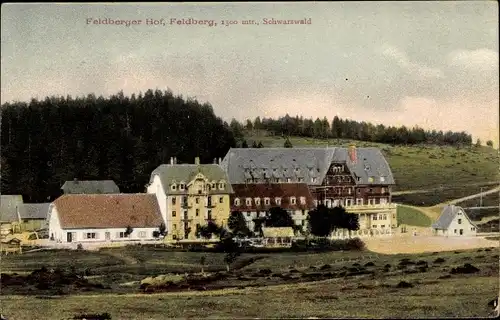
(464, 170)
(412, 217)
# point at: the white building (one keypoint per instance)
(103, 217)
(453, 221)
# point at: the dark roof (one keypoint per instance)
(370, 166)
(34, 210)
(90, 187)
(272, 191)
(447, 215)
(108, 211)
(8, 207)
(184, 173)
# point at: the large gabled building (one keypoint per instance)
(190, 195)
(358, 179)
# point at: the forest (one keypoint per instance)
(349, 129)
(124, 138)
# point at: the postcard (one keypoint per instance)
(249, 160)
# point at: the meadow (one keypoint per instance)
(360, 284)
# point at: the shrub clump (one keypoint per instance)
(404, 284)
(439, 260)
(467, 268)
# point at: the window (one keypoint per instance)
(174, 187)
(301, 179)
(303, 222)
(313, 180)
(382, 190)
(267, 201)
(349, 191)
(459, 221)
(174, 200)
(385, 217)
(315, 203)
(292, 200)
(221, 186)
(122, 235)
(248, 201)
(375, 217)
(459, 213)
(302, 200)
(471, 229)
(380, 217)
(257, 201)
(142, 234)
(197, 212)
(174, 226)
(197, 200)
(303, 212)
(236, 202)
(382, 226)
(358, 190)
(181, 186)
(382, 179)
(455, 230)
(174, 213)
(383, 201)
(221, 199)
(199, 191)
(374, 226)
(278, 201)
(371, 201)
(89, 235)
(359, 202)
(288, 180)
(249, 214)
(213, 185)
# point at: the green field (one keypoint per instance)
(435, 292)
(412, 217)
(420, 167)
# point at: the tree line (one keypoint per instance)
(46, 142)
(348, 129)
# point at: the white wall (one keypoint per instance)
(465, 225)
(79, 235)
(157, 189)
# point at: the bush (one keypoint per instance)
(79, 246)
(404, 284)
(439, 260)
(467, 268)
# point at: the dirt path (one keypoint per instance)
(419, 244)
(401, 192)
(477, 195)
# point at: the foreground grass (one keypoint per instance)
(369, 296)
(420, 167)
(460, 297)
(412, 217)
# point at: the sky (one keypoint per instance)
(427, 64)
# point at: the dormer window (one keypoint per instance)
(292, 200)
(257, 201)
(277, 201)
(213, 185)
(302, 200)
(288, 180)
(249, 201)
(382, 190)
(267, 201)
(173, 187)
(221, 185)
(236, 202)
(313, 180)
(181, 186)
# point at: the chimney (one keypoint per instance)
(75, 180)
(171, 160)
(215, 160)
(352, 153)
(197, 160)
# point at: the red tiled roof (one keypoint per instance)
(272, 191)
(108, 211)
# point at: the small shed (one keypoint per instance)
(33, 216)
(278, 236)
(454, 221)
